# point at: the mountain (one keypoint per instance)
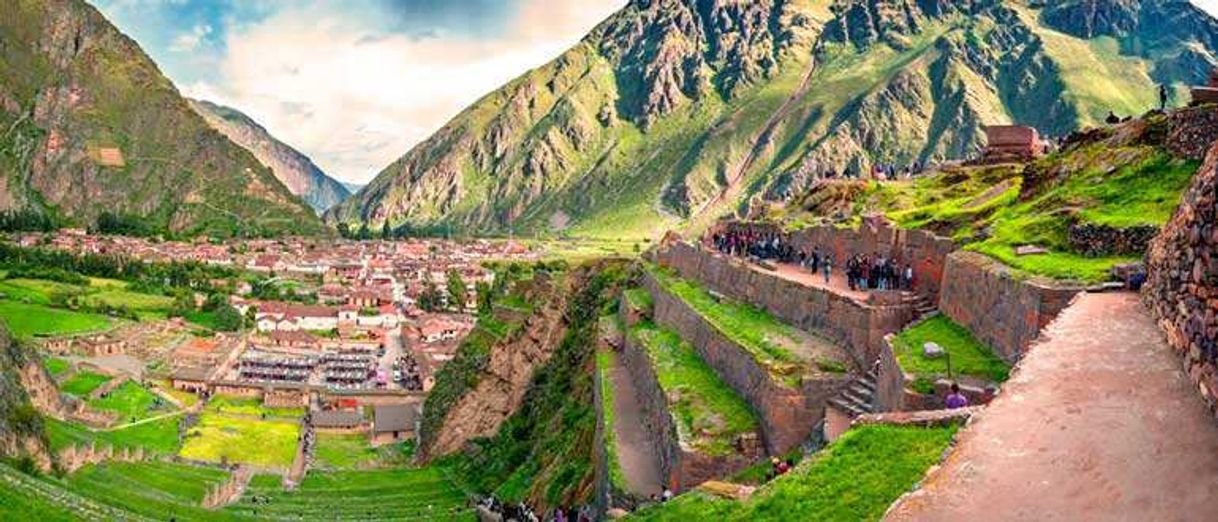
(89, 125)
(673, 112)
(294, 169)
(352, 188)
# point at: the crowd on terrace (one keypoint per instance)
(863, 271)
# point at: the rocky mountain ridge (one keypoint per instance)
(90, 125)
(290, 166)
(673, 112)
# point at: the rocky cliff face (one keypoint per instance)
(90, 125)
(295, 170)
(22, 435)
(675, 111)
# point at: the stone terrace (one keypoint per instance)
(1098, 423)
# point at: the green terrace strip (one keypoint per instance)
(855, 478)
(769, 341)
(606, 360)
(158, 436)
(242, 439)
(250, 407)
(968, 356)
(639, 298)
(400, 494)
(56, 366)
(24, 497)
(155, 489)
(353, 451)
(84, 383)
(709, 415)
(132, 402)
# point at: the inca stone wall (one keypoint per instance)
(859, 327)
(1182, 280)
(787, 414)
(926, 252)
(1191, 131)
(1002, 310)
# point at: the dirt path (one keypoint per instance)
(1098, 423)
(640, 464)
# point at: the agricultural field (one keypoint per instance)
(83, 383)
(34, 320)
(221, 437)
(968, 356)
(399, 494)
(56, 366)
(156, 489)
(159, 436)
(132, 402)
(855, 478)
(251, 407)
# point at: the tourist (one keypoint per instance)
(908, 279)
(956, 400)
(1112, 118)
(666, 496)
(827, 266)
(1163, 97)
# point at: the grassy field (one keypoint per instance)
(56, 366)
(606, 360)
(767, 339)
(157, 489)
(855, 478)
(709, 415)
(639, 298)
(399, 494)
(251, 407)
(30, 320)
(83, 383)
(968, 356)
(132, 402)
(159, 436)
(344, 451)
(24, 498)
(226, 438)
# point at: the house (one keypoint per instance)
(339, 420)
(101, 346)
(394, 423)
(272, 316)
(293, 339)
(267, 263)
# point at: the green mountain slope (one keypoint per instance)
(674, 112)
(88, 125)
(291, 167)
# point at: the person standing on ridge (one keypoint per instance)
(1163, 97)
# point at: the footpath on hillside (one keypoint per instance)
(639, 461)
(1098, 423)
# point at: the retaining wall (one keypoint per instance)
(860, 327)
(1182, 281)
(1003, 311)
(787, 415)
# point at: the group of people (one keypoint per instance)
(406, 371)
(876, 272)
(761, 245)
(521, 512)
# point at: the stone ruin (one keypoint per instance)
(1182, 280)
(1208, 93)
(1011, 143)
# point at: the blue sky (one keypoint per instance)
(355, 83)
(352, 83)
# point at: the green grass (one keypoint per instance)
(206, 319)
(249, 406)
(855, 478)
(24, 497)
(639, 298)
(968, 356)
(56, 366)
(754, 329)
(159, 436)
(132, 402)
(708, 413)
(606, 360)
(35, 291)
(156, 489)
(31, 320)
(399, 494)
(219, 438)
(83, 383)
(344, 451)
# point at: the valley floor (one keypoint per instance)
(1098, 423)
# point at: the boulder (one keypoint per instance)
(932, 350)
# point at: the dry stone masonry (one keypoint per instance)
(1182, 280)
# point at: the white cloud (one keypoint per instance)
(190, 40)
(354, 99)
(1210, 6)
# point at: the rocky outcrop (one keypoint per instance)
(24, 389)
(295, 170)
(1182, 280)
(91, 126)
(1092, 18)
(1094, 240)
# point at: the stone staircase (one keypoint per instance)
(923, 306)
(229, 491)
(858, 397)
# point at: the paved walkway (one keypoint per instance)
(640, 464)
(1097, 424)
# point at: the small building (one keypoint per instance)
(1011, 143)
(191, 379)
(285, 398)
(339, 421)
(57, 345)
(102, 346)
(394, 423)
(1208, 93)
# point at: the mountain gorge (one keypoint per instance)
(294, 169)
(674, 112)
(89, 125)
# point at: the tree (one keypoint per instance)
(456, 289)
(251, 316)
(386, 232)
(228, 319)
(486, 297)
(429, 299)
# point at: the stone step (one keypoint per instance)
(858, 396)
(847, 407)
(868, 383)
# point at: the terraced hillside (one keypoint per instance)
(90, 126)
(673, 112)
(402, 494)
